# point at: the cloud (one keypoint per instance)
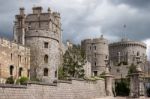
(87, 18)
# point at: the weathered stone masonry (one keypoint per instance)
(96, 51)
(14, 60)
(74, 90)
(41, 32)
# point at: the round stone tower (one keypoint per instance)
(123, 54)
(43, 36)
(125, 51)
(96, 53)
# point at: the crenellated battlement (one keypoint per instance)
(128, 43)
(10, 44)
(95, 40)
(37, 20)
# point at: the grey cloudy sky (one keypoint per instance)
(87, 18)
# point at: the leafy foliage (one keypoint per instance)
(61, 73)
(148, 92)
(122, 87)
(73, 61)
(22, 80)
(102, 75)
(10, 80)
(132, 69)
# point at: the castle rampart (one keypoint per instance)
(62, 90)
(14, 60)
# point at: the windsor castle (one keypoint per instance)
(37, 49)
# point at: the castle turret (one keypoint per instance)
(19, 28)
(96, 53)
(43, 36)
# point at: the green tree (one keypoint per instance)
(22, 80)
(10, 80)
(122, 87)
(73, 61)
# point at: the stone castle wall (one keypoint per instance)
(13, 56)
(96, 52)
(74, 90)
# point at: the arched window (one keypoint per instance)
(20, 71)
(11, 68)
(45, 71)
(46, 58)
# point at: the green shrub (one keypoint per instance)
(61, 74)
(22, 80)
(10, 80)
(102, 75)
(122, 87)
(148, 92)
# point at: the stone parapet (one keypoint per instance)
(76, 90)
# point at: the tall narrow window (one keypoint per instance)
(46, 58)
(95, 47)
(45, 71)
(11, 56)
(45, 44)
(56, 73)
(95, 63)
(25, 59)
(138, 53)
(11, 68)
(20, 71)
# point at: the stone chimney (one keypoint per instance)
(37, 10)
(22, 11)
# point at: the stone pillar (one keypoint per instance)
(108, 83)
(134, 85)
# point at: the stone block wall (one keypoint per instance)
(15, 56)
(74, 90)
